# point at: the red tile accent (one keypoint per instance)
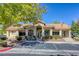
(5, 49)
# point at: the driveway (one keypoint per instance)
(43, 49)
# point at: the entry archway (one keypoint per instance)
(39, 31)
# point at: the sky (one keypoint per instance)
(63, 12)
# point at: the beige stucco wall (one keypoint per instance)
(12, 34)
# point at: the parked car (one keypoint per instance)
(3, 37)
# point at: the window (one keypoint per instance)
(47, 32)
(55, 33)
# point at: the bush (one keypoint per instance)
(3, 44)
(45, 38)
(76, 38)
(56, 37)
(31, 37)
(3, 38)
(19, 38)
(50, 37)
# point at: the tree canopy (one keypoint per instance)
(20, 12)
(75, 27)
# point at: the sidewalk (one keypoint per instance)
(75, 42)
(38, 52)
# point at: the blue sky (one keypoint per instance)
(63, 12)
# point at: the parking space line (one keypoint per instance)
(55, 46)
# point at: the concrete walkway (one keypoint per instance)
(65, 40)
(39, 52)
(68, 40)
(62, 42)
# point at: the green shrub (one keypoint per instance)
(50, 37)
(56, 37)
(3, 38)
(3, 44)
(19, 38)
(45, 38)
(76, 38)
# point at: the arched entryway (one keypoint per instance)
(22, 33)
(30, 32)
(65, 33)
(39, 31)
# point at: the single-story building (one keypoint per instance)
(39, 29)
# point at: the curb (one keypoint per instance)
(5, 49)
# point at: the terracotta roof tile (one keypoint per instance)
(47, 26)
(12, 28)
(58, 26)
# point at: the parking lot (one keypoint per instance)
(44, 49)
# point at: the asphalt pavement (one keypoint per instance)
(43, 49)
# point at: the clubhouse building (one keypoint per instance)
(39, 29)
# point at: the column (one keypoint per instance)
(50, 32)
(17, 33)
(60, 33)
(26, 32)
(35, 31)
(7, 34)
(42, 31)
(69, 33)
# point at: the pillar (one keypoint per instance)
(35, 31)
(60, 33)
(7, 34)
(26, 32)
(42, 31)
(17, 33)
(69, 33)
(50, 32)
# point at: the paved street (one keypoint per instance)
(44, 49)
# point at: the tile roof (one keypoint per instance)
(12, 28)
(58, 26)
